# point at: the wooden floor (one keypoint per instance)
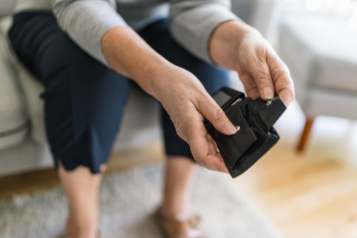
(309, 195)
(304, 197)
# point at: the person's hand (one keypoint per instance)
(237, 46)
(261, 70)
(187, 102)
(180, 92)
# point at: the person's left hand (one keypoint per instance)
(237, 46)
(261, 70)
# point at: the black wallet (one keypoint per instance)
(254, 120)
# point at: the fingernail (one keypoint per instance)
(229, 127)
(268, 93)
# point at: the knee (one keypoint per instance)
(70, 70)
(77, 82)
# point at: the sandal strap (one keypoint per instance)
(172, 228)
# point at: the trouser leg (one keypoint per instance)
(180, 167)
(84, 100)
(84, 103)
(213, 78)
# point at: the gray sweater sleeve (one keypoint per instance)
(86, 22)
(193, 21)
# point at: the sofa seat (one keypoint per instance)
(13, 116)
(324, 52)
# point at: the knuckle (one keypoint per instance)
(280, 71)
(262, 75)
(219, 115)
(280, 74)
(263, 79)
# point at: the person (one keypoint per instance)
(86, 53)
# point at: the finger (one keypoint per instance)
(203, 153)
(222, 166)
(211, 143)
(281, 76)
(250, 86)
(212, 162)
(215, 149)
(210, 110)
(260, 72)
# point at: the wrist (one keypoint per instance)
(155, 79)
(128, 54)
(170, 79)
(226, 40)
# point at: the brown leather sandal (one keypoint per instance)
(173, 228)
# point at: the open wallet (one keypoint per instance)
(254, 120)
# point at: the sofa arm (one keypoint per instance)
(7, 7)
(13, 116)
(29, 87)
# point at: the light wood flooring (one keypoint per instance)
(308, 195)
(302, 196)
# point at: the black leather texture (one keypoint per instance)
(255, 136)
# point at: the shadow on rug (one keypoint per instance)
(128, 201)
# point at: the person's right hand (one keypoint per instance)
(180, 92)
(188, 103)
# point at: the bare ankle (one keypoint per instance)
(174, 212)
(76, 228)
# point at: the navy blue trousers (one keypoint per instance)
(84, 100)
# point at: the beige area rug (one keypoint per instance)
(128, 201)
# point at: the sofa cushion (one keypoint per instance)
(13, 118)
(323, 51)
(7, 7)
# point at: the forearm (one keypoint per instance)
(86, 22)
(128, 54)
(193, 21)
(225, 41)
(181, 94)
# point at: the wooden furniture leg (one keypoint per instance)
(305, 134)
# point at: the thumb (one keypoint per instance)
(210, 110)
